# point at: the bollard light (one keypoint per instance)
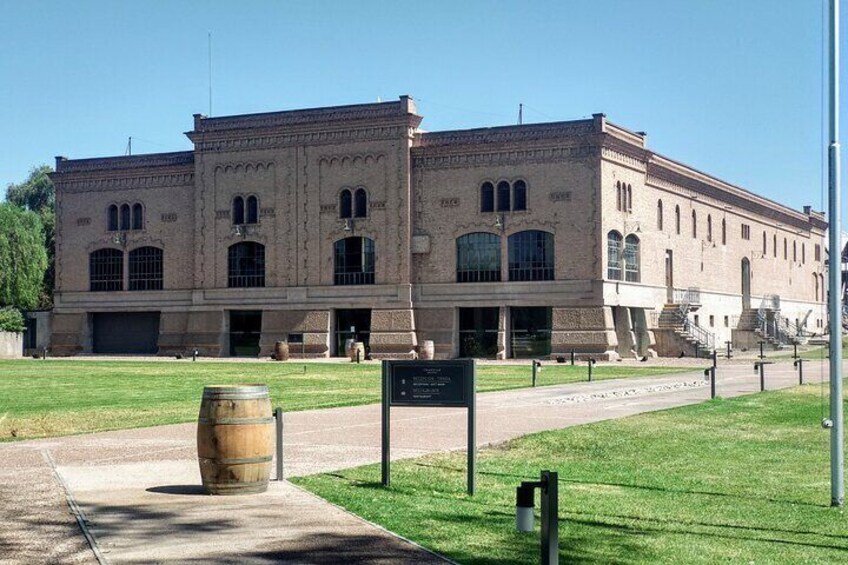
(524, 504)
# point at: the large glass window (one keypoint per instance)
(614, 241)
(353, 261)
(106, 270)
(478, 257)
(631, 258)
(246, 265)
(530, 332)
(531, 256)
(146, 268)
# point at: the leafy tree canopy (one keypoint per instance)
(11, 320)
(23, 257)
(37, 194)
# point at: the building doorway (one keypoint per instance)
(746, 284)
(478, 332)
(530, 332)
(245, 331)
(669, 277)
(355, 324)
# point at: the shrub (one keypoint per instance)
(11, 320)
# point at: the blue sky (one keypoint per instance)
(732, 88)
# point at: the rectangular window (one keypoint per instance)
(746, 231)
(727, 321)
(817, 252)
(295, 338)
(712, 321)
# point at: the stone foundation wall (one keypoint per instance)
(313, 324)
(68, 335)
(393, 334)
(587, 331)
(11, 345)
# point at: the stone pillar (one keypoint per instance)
(503, 333)
(588, 331)
(624, 331)
(314, 325)
(393, 334)
(437, 324)
(172, 333)
(68, 334)
(644, 338)
(206, 331)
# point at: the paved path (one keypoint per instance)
(137, 489)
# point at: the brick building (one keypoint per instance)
(315, 226)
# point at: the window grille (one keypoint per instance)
(106, 270)
(478, 258)
(353, 261)
(531, 256)
(145, 268)
(246, 265)
(631, 258)
(614, 241)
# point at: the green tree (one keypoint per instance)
(37, 194)
(23, 257)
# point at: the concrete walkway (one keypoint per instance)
(137, 490)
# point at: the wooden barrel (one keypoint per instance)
(357, 348)
(428, 350)
(235, 439)
(281, 351)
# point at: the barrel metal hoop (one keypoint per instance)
(239, 460)
(234, 421)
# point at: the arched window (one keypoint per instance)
(618, 196)
(113, 217)
(503, 196)
(145, 268)
(487, 197)
(785, 249)
(659, 215)
(519, 195)
(629, 198)
(137, 217)
(252, 210)
(723, 231)
(631, 258)
(246, 265)
(794, 251)
(345, 204)
(677, 219)
(478, 257)
(353, 261)
(531, 256)
(803, 252)
(765, 246)
(125, 216)
(106, 269)
(774, 245)
(614, 255)
(238, 211)
(360, 203)
(709, 228)
(694, 224)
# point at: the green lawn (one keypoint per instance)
(59, 397)
(739, 481)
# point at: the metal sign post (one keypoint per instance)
(278, 416)
(799, 364)
(430, 384)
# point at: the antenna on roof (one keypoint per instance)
(129, 146)
(520, 113)
(209, 36)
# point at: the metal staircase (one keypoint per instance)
(675, 317)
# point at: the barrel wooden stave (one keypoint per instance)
(235, 439)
